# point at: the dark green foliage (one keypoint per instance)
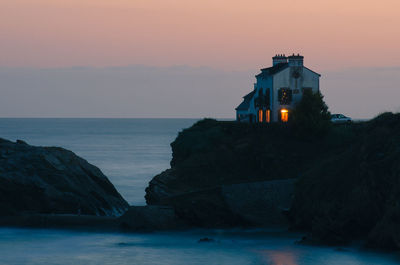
(311, 116)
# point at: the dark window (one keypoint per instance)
(266, 98)
(262, 101)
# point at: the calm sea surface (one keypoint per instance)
(130, 152)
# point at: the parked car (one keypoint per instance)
(340, 118)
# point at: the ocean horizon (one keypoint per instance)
(129, 151)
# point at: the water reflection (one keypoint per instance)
(276, 257)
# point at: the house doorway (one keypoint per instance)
(284, 115)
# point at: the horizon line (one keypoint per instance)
(191, 118)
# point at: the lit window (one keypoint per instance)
(267, 115)
(260, 115)
(284, 115)
(285, 96)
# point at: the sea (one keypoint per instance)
(130, 152)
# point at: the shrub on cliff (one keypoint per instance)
(311, 116)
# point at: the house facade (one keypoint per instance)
(277, 91)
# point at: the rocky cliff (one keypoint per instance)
(339, 186)
(220, 172)
(47, 180)
(355, 194)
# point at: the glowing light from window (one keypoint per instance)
(267, 115)
(260, 115)
(284, 115)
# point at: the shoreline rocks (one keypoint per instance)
(149, 218)
(53, 180)
(340, 187)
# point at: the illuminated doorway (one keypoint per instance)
(260, 115)
(284, 115)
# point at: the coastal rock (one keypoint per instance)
(62, 221)
(386, 233)
(247, 204)
(150, 218)
(354, 194)
(206, 240)
(52, 180)
(220, 173)
(341, 186)
(260, 203)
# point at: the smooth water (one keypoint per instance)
(130, 152)
(42, 247)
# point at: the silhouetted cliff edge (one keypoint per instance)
(340, 185)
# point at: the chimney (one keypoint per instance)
(296, 60)
(279, 58)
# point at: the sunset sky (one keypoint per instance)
(217, 33)
(224, 35)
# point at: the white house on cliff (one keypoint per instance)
(277, 91)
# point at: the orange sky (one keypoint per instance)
(232, 35)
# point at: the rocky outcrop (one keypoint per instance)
(63, 221)
(260, 203)
(355, 194)
(52, 180)
(228, 173)
(145, 218)
(340, 186)
(247, 204)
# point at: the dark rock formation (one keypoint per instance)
(206, 240)
(150, 218)
(63, 221)
(255, 203)
(347, 180)
(355, 193)
(53, 180)
(260, 203)
(220, 173)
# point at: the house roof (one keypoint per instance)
(246, 101)
(312, 71)
(277, 68)
(250, 95)
(273, 70)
